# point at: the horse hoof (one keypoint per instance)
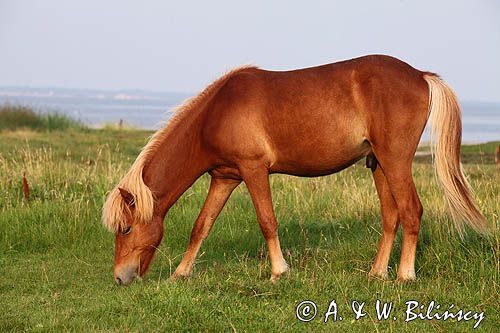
(179, 276)
(379, 275)
(406, 278)
(276, 276)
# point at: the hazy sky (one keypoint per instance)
(183, 45)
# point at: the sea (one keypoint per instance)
(152, 109)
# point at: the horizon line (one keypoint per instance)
(157, 91)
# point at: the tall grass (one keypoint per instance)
(14, 117)
(56, 258)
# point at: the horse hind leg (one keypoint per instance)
(410, 213)
(395, 161)
(390, 221)
(399, 178)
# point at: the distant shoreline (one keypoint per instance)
(150, 110)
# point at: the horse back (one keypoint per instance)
(316, 120)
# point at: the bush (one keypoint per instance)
(14, 117)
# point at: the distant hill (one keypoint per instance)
(52, 92)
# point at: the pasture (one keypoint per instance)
(56, 258)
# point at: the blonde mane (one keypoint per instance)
(115, 207)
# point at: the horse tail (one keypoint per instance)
(446, 137)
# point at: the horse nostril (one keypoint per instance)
(118, 281)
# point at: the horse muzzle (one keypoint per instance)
(124, 276)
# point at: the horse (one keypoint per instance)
(310, 122)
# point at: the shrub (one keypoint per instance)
(14, 117)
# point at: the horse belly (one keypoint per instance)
(318, 154)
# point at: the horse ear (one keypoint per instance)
(127, 196)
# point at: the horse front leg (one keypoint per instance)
(257, 181)
(219, 192)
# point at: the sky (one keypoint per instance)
(181, 46)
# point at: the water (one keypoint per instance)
(149, 110)
(144, 109)
(480, 122)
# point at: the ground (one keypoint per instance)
(56, 258)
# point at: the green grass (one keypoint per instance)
(13, 117)
(56, 258)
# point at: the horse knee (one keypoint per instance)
(201, 228)
(269, 227)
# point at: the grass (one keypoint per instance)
(56, 258)
(120, 126)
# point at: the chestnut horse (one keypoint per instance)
(309, 122)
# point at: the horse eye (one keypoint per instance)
(127, 230)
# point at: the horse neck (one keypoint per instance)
(176, 165)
